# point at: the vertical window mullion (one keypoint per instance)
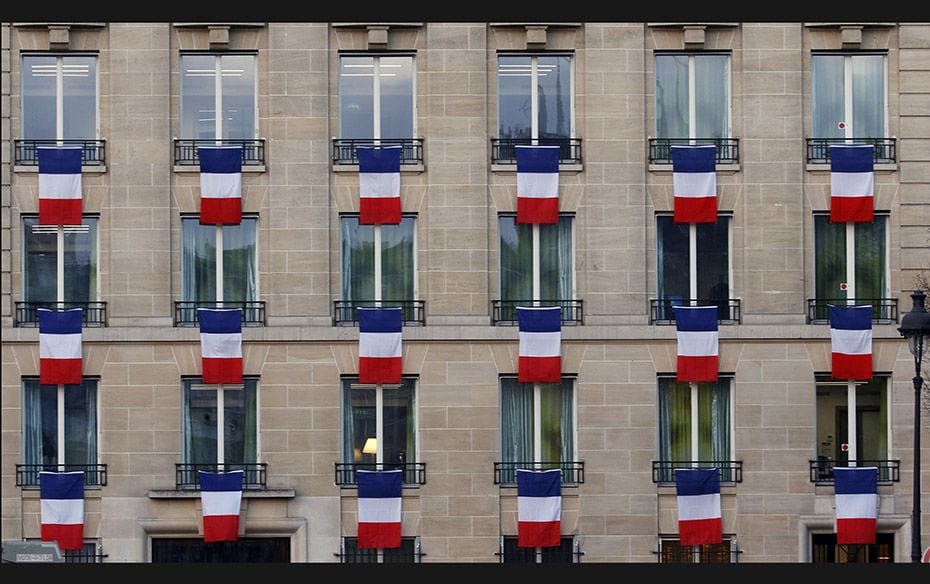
(850, 263)
(695, 430)
(534, 100)
(692, 263)
(60, 422)
(536, 263)
(376, 98)
(537, 422)
(692, 99)
(379, 424)
(220, 426)
(59, 99)
(849, 132)
(218, 99)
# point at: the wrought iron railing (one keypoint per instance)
(345, 150)
(731, 471)
(408, 552)
(818, 149)
(821, 470)
(93, 314)
(505, 473)
(504, 312)
(661, 312)
(187, 475)
(27, 475)
(185, 311)
(884, 310)
(345, 312)
(186, 153)
(414, 473)
(93, 152)
(503, 150)
(567, 552)
(660, 149)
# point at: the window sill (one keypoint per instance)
(411, 168)
(97, 169)
(727, 168)
(513, 167)
(257, 168)
(888, 167)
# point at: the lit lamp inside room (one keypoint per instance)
(371, 446)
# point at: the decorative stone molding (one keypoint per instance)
(694, 36)
(536, 36)
(219, 37)
(851, 36)
(377, 36)
(59, 37)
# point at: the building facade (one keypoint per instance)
(300, 98)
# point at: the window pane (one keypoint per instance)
(872, 420)
(555, 420)
(516, 423)
(712, 99)
(238, 86)
(356, 97)
(870, 258)
(399, 423)
(555, 260)
(358, 260)
(553, 83)
(39, 77)
(674, 421)
(239, 260)
(514, 91)
(40, 423)
(516, 259)
(672, 96)
(358, 422)
(396, 77)
(81, 423)
(828, 96)
(829, 257)
(198, 260)
(714, 423)
(81, 263)
(868, 96)
(198, 97)
(397, 261)
(240, 424)
(79, 91)
(713, 264)
(200, 424)
(40, 271)
(673, 260)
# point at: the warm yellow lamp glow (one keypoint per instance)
(371, 446)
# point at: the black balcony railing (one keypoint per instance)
(731, 471)
(186, 153)
(660, 309)
(27, 475)
(345, 150)
(93, 314)
(660, 149)
(818, 149)
(884, 310)
(187, 476)
(821, 470)
(414, 473)
(185, 311)
(93, 152)
(505, 473)
(345, 312)
(504, 312)
(503, 150)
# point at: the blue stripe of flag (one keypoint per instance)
(537, 158)
(851, 318)
(220, 159)
(539, 484)
(386, 159)
(852, 158)
(374, 484)
(60, 322)
(855, 480)
(539, 320)
(694, 158)
(220, 321)
(61, 485)
(221, 482)
(696, 481)
(380, 320)
(56, 160)
(696, 318)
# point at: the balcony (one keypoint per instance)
(818, 149)
(505, 473)
(503, 150)
(93, 314)
(27, 475)
(414, 473)
(345, 150)
(661, 309)
(254, 476)
(660, 149)
(185, 311)
(821, 470)
(884, 310)
(186, 151)
(93, 152)
(731, 471)
(504, 312)
(345, 312)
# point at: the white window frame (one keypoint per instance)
(692, 91)
(380, 388)
(537, 283)
(695, 419)
(851, 420)
(219, 254)
(60, 411)
(693, 256)
(848, 130)
(850, 278)
(218, 89)
(376, 89)
(534, 89)
(60, 230)
(537, 416)
(378, 259)
(59, 92)
(197, 384)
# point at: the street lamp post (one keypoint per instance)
(915, 327)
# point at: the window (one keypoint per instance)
(376, 96)
(848, 95)
(672, 552)
(692, 95)
(695, 427)
(825, 549)
(59, 97)
(194, 550)
(75, 275)
(91, 553)
(693, 262)
(537, 264)
(60, 428)
(218, 83)
(567, 552)
(407, 553)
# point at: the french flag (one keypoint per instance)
(698, 338)
(851, 341)
(221, 499)
(694, 183)
(540, 358)
(699, 518)
(379, 505)
(852, 183)
(60, 352)
(380, 351)
(59, 185)
(856, 504)
(221, 344)
(220, 185)
(61, 505)
(539, 507)
(379, 185)
(537, 184)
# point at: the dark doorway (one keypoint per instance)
(253, 550)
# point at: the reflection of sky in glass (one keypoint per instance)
(514, 96)
(199, 99)
(356, 96)
(79, 97)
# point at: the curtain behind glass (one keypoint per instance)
(359, 421)
(713, 265)
(238, 98)
(829, 257)
(198, 260)
(516, 267)
(39, 79)
(80, 271)
(828, 96)
(358, 260)
(672, 96)
(200, 432)
(40, 423)
(870, 258)
(397, 261)
(555, 260)
(240, 421)
(553, 86)
(674, 420)
(673, 259)
(396, 96)
(239, 260)
(714, 421)
(568, 420)
(514, 92)
(40, 268)
(516, 421)
(712, 99)
(81, 423)
(198, 97)
(397, 423)
(551, 417)
(356, 97)
(79, 96)
(868, 96)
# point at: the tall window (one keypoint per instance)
(376, 96)
(59, 97)
(537, 425)
(842, 437)
(849, 95)
(59, 426)
(378, 262)
(853, 256)
(692, 95)
(672, 552)
(75, 269)
(208, 276)
(534, 94)
(219, 424)
(693, 261)
(695, 425)
(379, 424)
(212, 83)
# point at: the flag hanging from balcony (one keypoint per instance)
(539, 507)
(60, 351)
(698, 339)
(699, 518)
(380, 349)
(379, 508)
(220, 499)
(537, 184)
(851, 341)
(856, 504)
(60, 198)
(61, 505)
(220, 185)
(540, 356)
(221, 344)
(852, 183)
(694, 183)
(379, 185)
